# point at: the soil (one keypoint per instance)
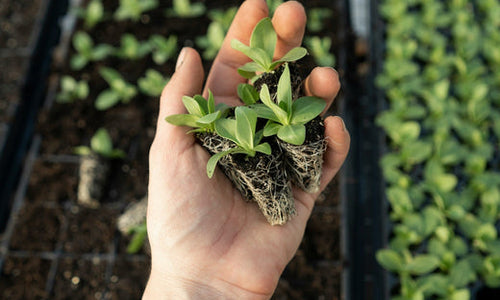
(79, 234)
(80, 279)
(19, 273)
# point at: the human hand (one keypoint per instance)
(206, 241)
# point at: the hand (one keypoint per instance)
(206, 241)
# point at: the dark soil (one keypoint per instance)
(24, 278)
(80, 279)
(129, 278)
(39, 225)
(17, 20)
(89, 230)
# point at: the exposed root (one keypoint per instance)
(93, 175)
(304, 163)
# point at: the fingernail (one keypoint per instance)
(343, 124)
(180, 59)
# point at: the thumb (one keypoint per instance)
(186, 81)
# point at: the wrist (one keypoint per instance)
(162, 286)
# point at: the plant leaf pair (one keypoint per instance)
(202, 113)
(100, 144)
(287, 118)
(261, 50)
(242, 131)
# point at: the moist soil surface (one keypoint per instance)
(64, 251)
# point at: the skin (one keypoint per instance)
(206, 241)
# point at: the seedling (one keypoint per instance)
(92, 14)
(102, 145)
(320, 49)
(72, 90)
(133, 9)
(287, 119)
(316, 18)
(203, 113)
(131, 48)
(248, 94)
(139, 235)
(87, 51)
(119, 91)
(261, 50)
(184, 9)
(163, 48)
(153, 83)
(212, 41)
(242, 131)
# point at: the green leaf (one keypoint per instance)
(183, 120)
(257, 55)
(284, 93)
(463, 294)
(390, 260)
(305, 109)
(263, 148)
(106, 100)
(210, 103)
(212, 162)
(78, 62)
(246, 120)
(251, 67)
(272, 128)
(101, 142)
(461, 274)
(193, 106)
(264, 37)
(210, 118)
(422, 264)
(293, 134)
(226, 128)
(265, 112)
(293, 55)
(137, 241)
(110, 75)
(82, 42)
(82, 150)
(247, 93)
(265, 97)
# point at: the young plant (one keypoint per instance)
(102, 145)
(87, 51)
(212, 41)
(184, 9)
(139, 235)
(133, 9)
(287, 118)
(163, 48)
(72, 90)
(92, 14)
(316, 18)
(261, 50)
(248, 94)
(320, 49)
(131, 48)
(119, 91)
(242, 131)
(153, 83)
(203, 113)
(223, 17)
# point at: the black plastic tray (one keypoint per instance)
(19, 134)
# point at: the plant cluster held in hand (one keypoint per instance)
(275, 139)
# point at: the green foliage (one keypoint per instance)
(139, 235)
(119, 91)
(212, 41)
(202, 113)
(163, 48)
(102, 145)
(261, 50)
(131, 48)
(92, 14)
(287, 118)
(186, 9)
(316, 18)
(152, 83)
(133, 9)
(72, 90)
(242, 131)
(320, 49)
(441, 173)
(86, 51)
